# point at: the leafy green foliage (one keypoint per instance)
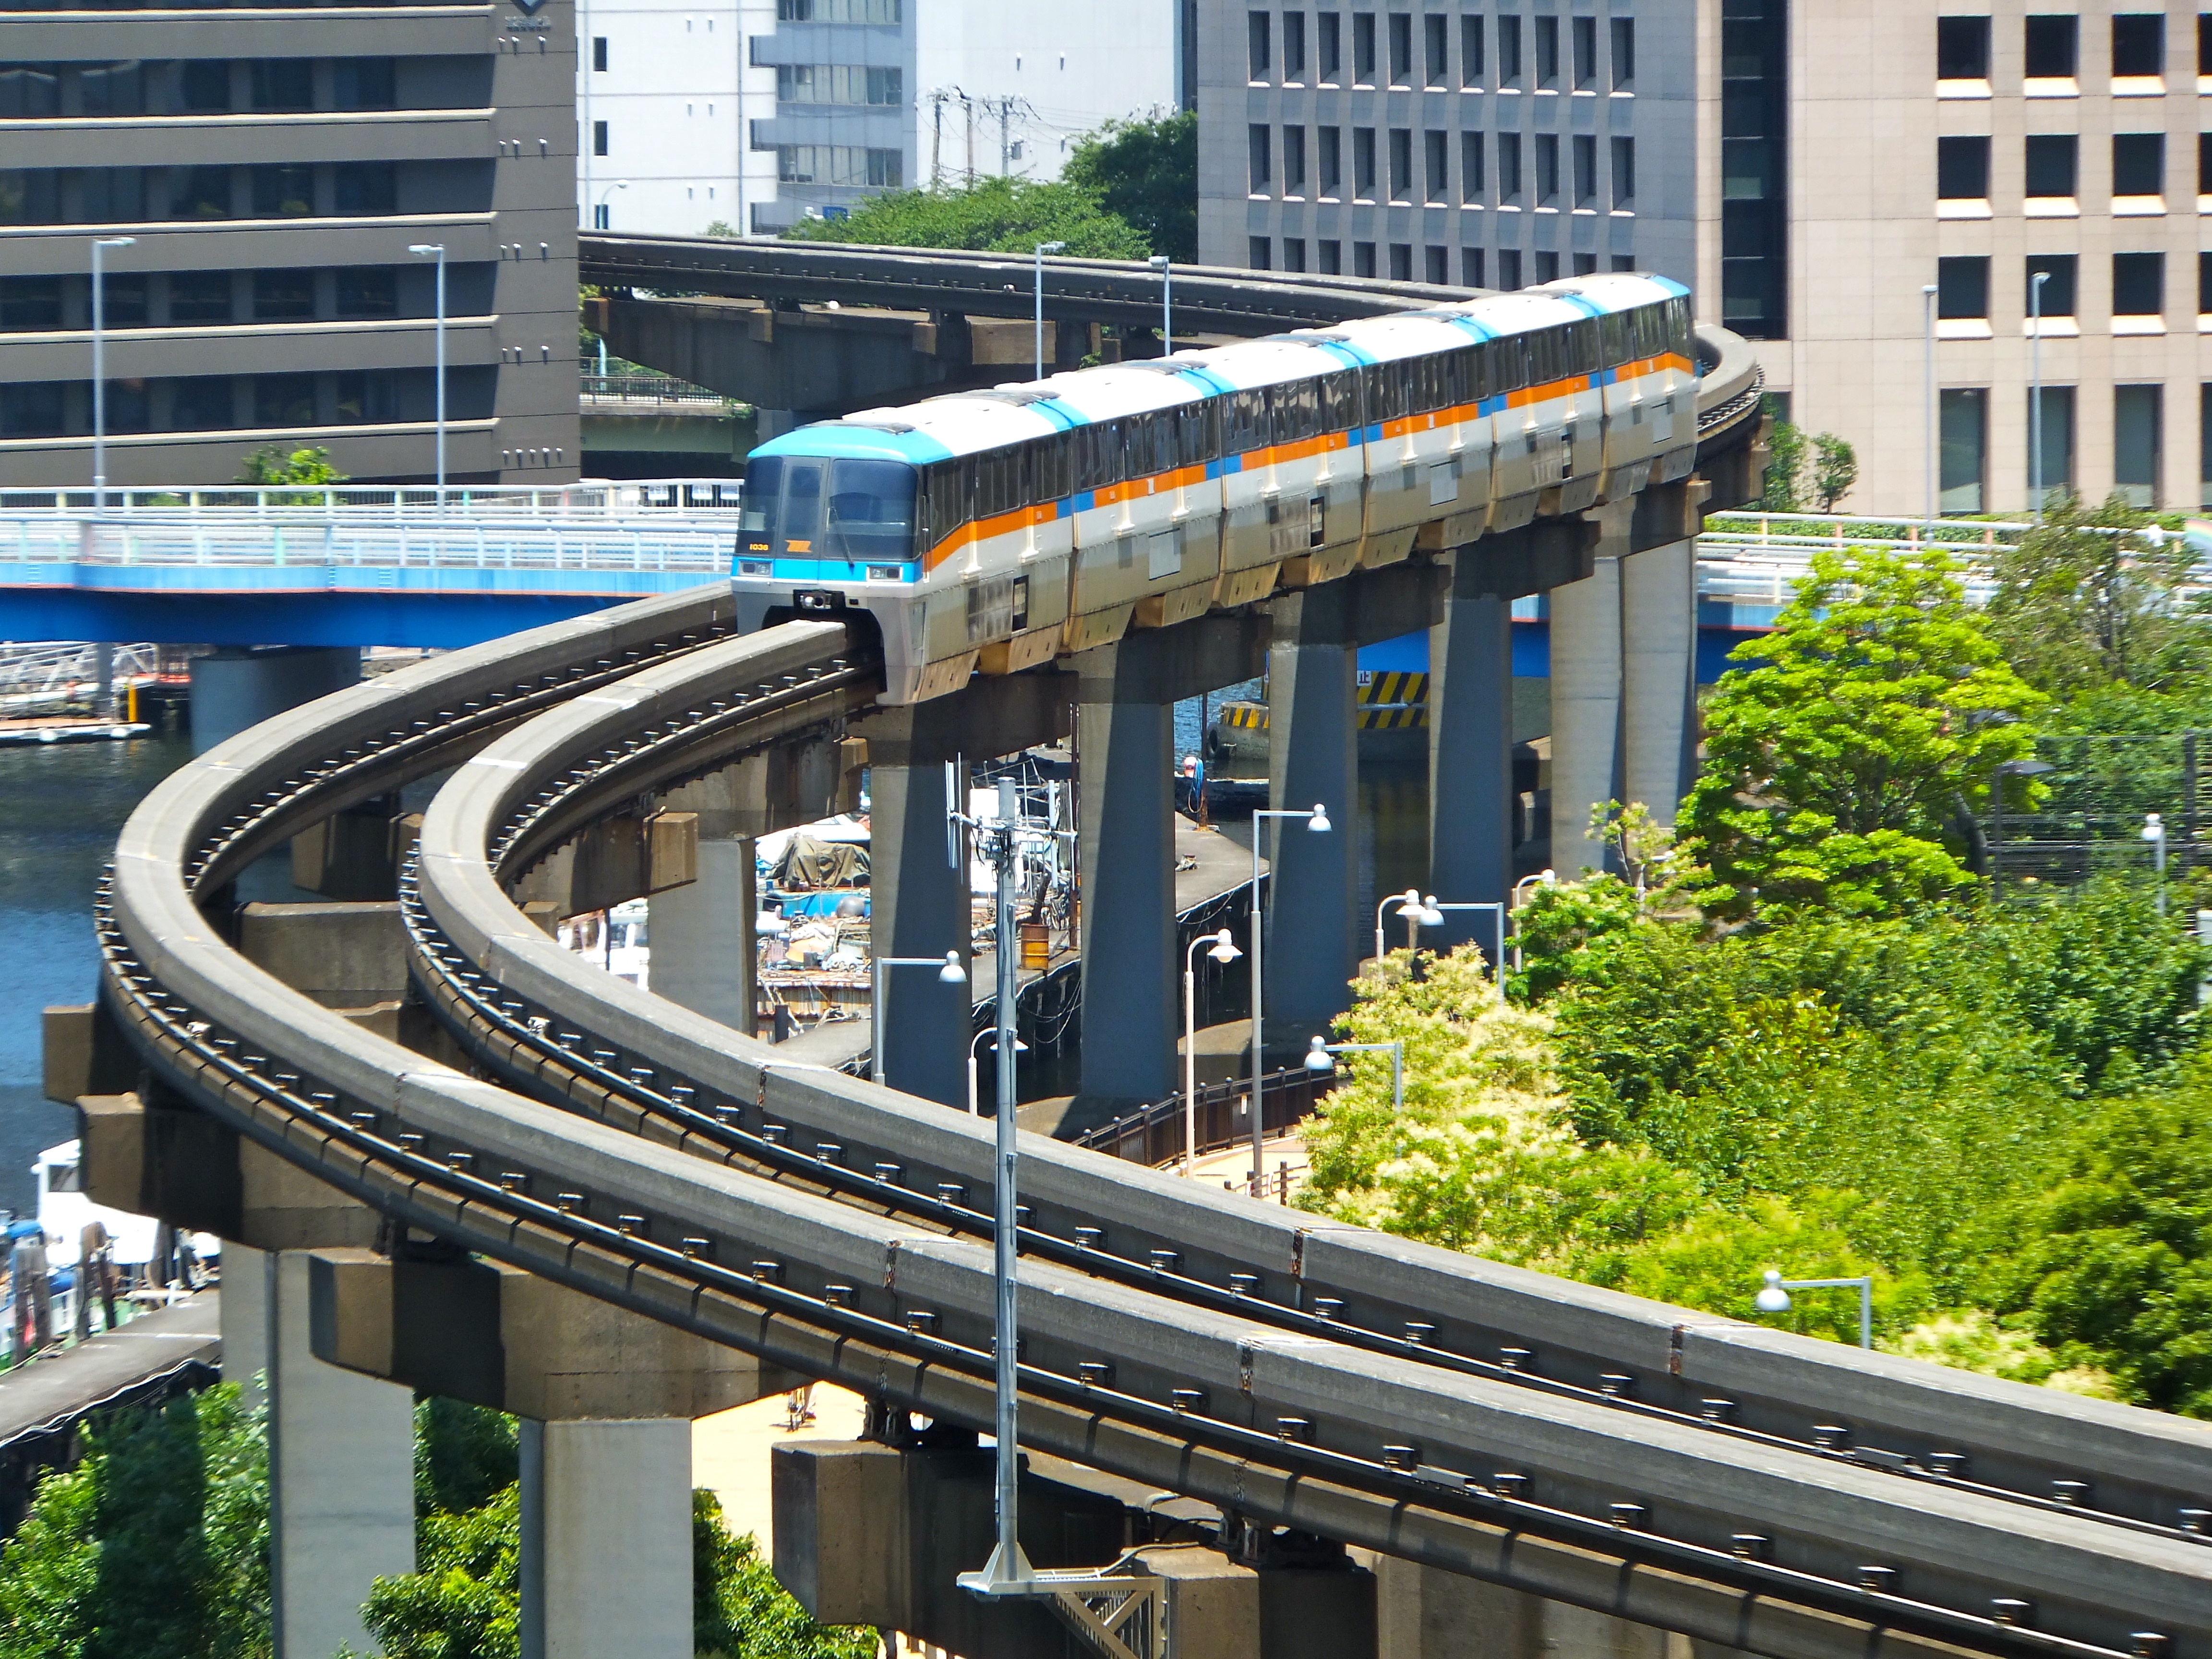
(272, 464)
(462, 1600)
(1145, 171)
(50, 1571)
(1840, 756)
(1835, 469)
(1004, 216)
(740, 1612)
(1780, 489)
(464, 1455)
(1806, 472)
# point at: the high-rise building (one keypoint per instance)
(1810, 170)
(758, 113)
(273, 169)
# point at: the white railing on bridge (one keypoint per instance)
(602, 499)
(427, 541)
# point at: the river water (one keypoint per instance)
(61, 805)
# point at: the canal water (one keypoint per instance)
(61, 805)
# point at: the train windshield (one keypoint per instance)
(854, 510)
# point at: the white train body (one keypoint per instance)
(994, 531)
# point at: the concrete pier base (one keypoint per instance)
(606, 1539)
(236, 687)
(1586, 690)
(1314, 940)
(919, 908)
(702, 937)
(1471, 752)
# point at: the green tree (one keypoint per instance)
(1780, 486)
(1840, 755)
(1004, 216)
(1805, 472)
(464, 1455)
(462, 1600)
(1146, 171)
(740, 1612)
(50, 1571)
(1835, 469)
(272, 464)
(2086, 600)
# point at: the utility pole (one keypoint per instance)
(1006, 159)
(936, 137)
(971, 105)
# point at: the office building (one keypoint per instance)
(273, 169)
(756, 114)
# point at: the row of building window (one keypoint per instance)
(210, 86)
(838, 11)
(839, 164)
(1962, 285)
(178, 298)
(206, 403)
(2052, 165)
(2050, 46)
(2138, 444)
(1436, 264)
(102, 195)
(838, 83)
(1542, 181)
(1490, 50)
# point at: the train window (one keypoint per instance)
(1474, 374)
(1678, 330)
(1390, 385)
(1613, 337)
(1148, 444)
(1543, 356)
(871, 511)
(800, 518)
(1509, 361)
(1194, 433)
(1295, 411)
(1049, 460)
(1580, 344)
(1244, 422)
(1339, 401)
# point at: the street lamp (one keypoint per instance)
(100, 245)
(1927, 388)
(1225, 950)
(1541, 879)
(2035, 392)
(1774, 1297)
(1417, 915)
(974, 1108)
(1317, 1059)
(424, 250)
(1316, 821)
(601, 218)
(2154, 832)
(1497, 911)
(1043, 248)
(1161, 262)
(949, 972)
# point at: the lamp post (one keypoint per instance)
(601, 217)
(974, 1107)
(949, 972)
(1774, 1297)
(1415, 913)
(1541, 879)
(422, 250)
(1928, 387)
(2035, 392)
(1165, 266)
(1316, 821)
(1223, 950)
(1317, 1059)
(2154, 832)
(1043, 248)
(101, 245)
(1497, 911)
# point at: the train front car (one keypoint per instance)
(835, 522)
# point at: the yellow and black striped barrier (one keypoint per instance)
(1388, 701)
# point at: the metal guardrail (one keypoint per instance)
(601, 499)
(1154, 1136)
(651, 389)
(431, 541)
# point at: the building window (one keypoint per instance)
(1470, 267)
(1624, 173)
(603, 214)
(1470, 166)
(1331, 161)
(283, 193)
(1329, 40)
(1585, 171)
(2053, 46)
(1294, 47)
(1624, 53)
(281, 85)
(1262, 163)
(31, 409)
(1294, 253)
(1755, 167)
(1509, 51)
(1259, 257)
(2135, 433)
(1623, 262)
(204, 85)
(2204, 439)
(119, 89)
(1330, 261)
(1401, 164)
(1363, 258)
(2138, 46)
(1437, 146)
(1585, 51)
(1362, 48)
(128, 298)
(2058, 291)
(200, 403)
(1962, 169)
(362, 187)
(2057, 469)
(600, 137)
(2204, 159)
(838, 83)
(2204, 285)
(368, 291)
(363, 83)
(1509, 267)
(28, 304)
(283, 400)
(2138, 284)
(284, 296)
(1962, 448)
(1547, 267)
(600, 53)
(1470, 50)
(1258, 56)
(1401, 262)
(1585, 264)
(199, 297)
(2053, 164)
(1401, 49)
(1362, 163)
(1439, 263)
(1294, 163)
(199, 193)
(1547, 51)
(1962, 49)
(1435, 51)
(30, 91)
(1547, 167)
(1962, 287)
(2139, 162)
(1509, 167)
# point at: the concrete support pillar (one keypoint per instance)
(103, 657)
(1125, 789)
(236, 688)
(606, 1539)
(244, 1310)
(1426, 1613)
(918, 908)
(1471, 752)
(704, 950)
(1586, 687)
(1313, 942)
(341, 1478)
(1659, 675)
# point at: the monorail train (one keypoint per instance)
(995, 529)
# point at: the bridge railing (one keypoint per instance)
(601, 499)
(428, 540)
(650, 389)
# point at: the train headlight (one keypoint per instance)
(885, 573)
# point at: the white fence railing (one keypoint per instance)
(619, 499)
(427, 541)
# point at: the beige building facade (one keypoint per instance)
(1968, 148)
